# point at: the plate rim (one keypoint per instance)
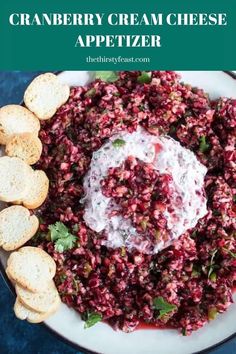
(84, 349)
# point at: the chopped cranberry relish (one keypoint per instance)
(191, 280)
(142, 194)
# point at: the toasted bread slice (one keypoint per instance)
(37, 190)
(15, 119)
(45, 95)
(43, 301)
(23, 313)
(17, 226)
(14, 178)
(31, 267)
(26, 146)
(9, 277)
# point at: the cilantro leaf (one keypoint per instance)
(62, 238)
(92, 319)
(204, 146)
(108, 76)
(118, 143)
(144, 78)
(64, 244)
(58, 230)
(163, 306)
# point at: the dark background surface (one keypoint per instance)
(19, 336)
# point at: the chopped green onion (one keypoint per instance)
(118, 143)
(212, 313)
(204, 146)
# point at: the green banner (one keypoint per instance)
(122, 35)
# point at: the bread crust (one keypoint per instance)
(17, 215)
(31, 267)
(13, 178)
(16, 119)
(43, 301)
(31, 316)
(45, 95)
(26, 146)
(38, 190)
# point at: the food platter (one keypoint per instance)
(102, 338)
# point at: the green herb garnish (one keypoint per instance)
(62, 277)
(213, 277)
(204, 146)
(144, 225)
(172, 130)
(216, 213)
(232, 254)
(142, 107)
(75, 228)
(195, 271)
(212, 313)
(144, 78)
(118, 143)
(194, 234)
(62, 238)
(234, 198)
(108, 76)
(90, 93)
(212, 265)
(92, 319)
(163, 306)
(74, 167)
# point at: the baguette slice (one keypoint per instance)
(14, 176)
(45, 95)
(26, 146)
(31, 267)
(23, 313)
(15, 119)
(37, 190)
(43, 301)
(17, 226)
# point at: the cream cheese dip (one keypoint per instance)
(188, 202)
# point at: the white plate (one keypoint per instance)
(101, 338)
